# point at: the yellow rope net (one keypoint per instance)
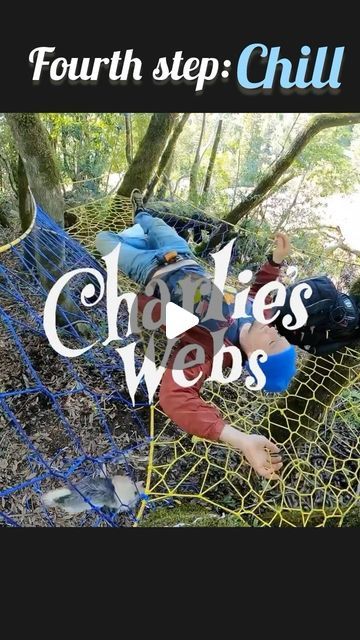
(316, 424)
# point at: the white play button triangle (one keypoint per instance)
(178, 320)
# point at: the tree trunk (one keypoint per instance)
(237, 169)
(320, 381)
(270, 180)
(210, 168)
(9, 172)
(148, 153)
(66, 157)
(129, 139)
(193, 189)
(25, 210)
(3, 220)
(26, 213)
(165, 180)
(165, 158)
(38, 157)
(44, 179)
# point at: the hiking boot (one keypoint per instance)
(136, 201)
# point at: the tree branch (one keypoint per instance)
(344, 247)
(316, 124)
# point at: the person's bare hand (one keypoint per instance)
(282, 247)
(262, 454)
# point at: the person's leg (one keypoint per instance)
(139, 253)
(161, 236)
(134, 236)
(135, 262)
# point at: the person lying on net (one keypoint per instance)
(152, 249)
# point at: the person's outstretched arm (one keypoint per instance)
(186, 408)
(189, 411)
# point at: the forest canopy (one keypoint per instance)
(264, 172)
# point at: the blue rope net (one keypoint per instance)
(61, 419)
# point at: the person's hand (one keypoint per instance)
(262, 455)
(282, 247)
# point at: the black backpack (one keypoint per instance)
(333, 318)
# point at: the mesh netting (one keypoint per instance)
(316, 422)
(61, 419)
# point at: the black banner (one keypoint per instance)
(227, 66)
